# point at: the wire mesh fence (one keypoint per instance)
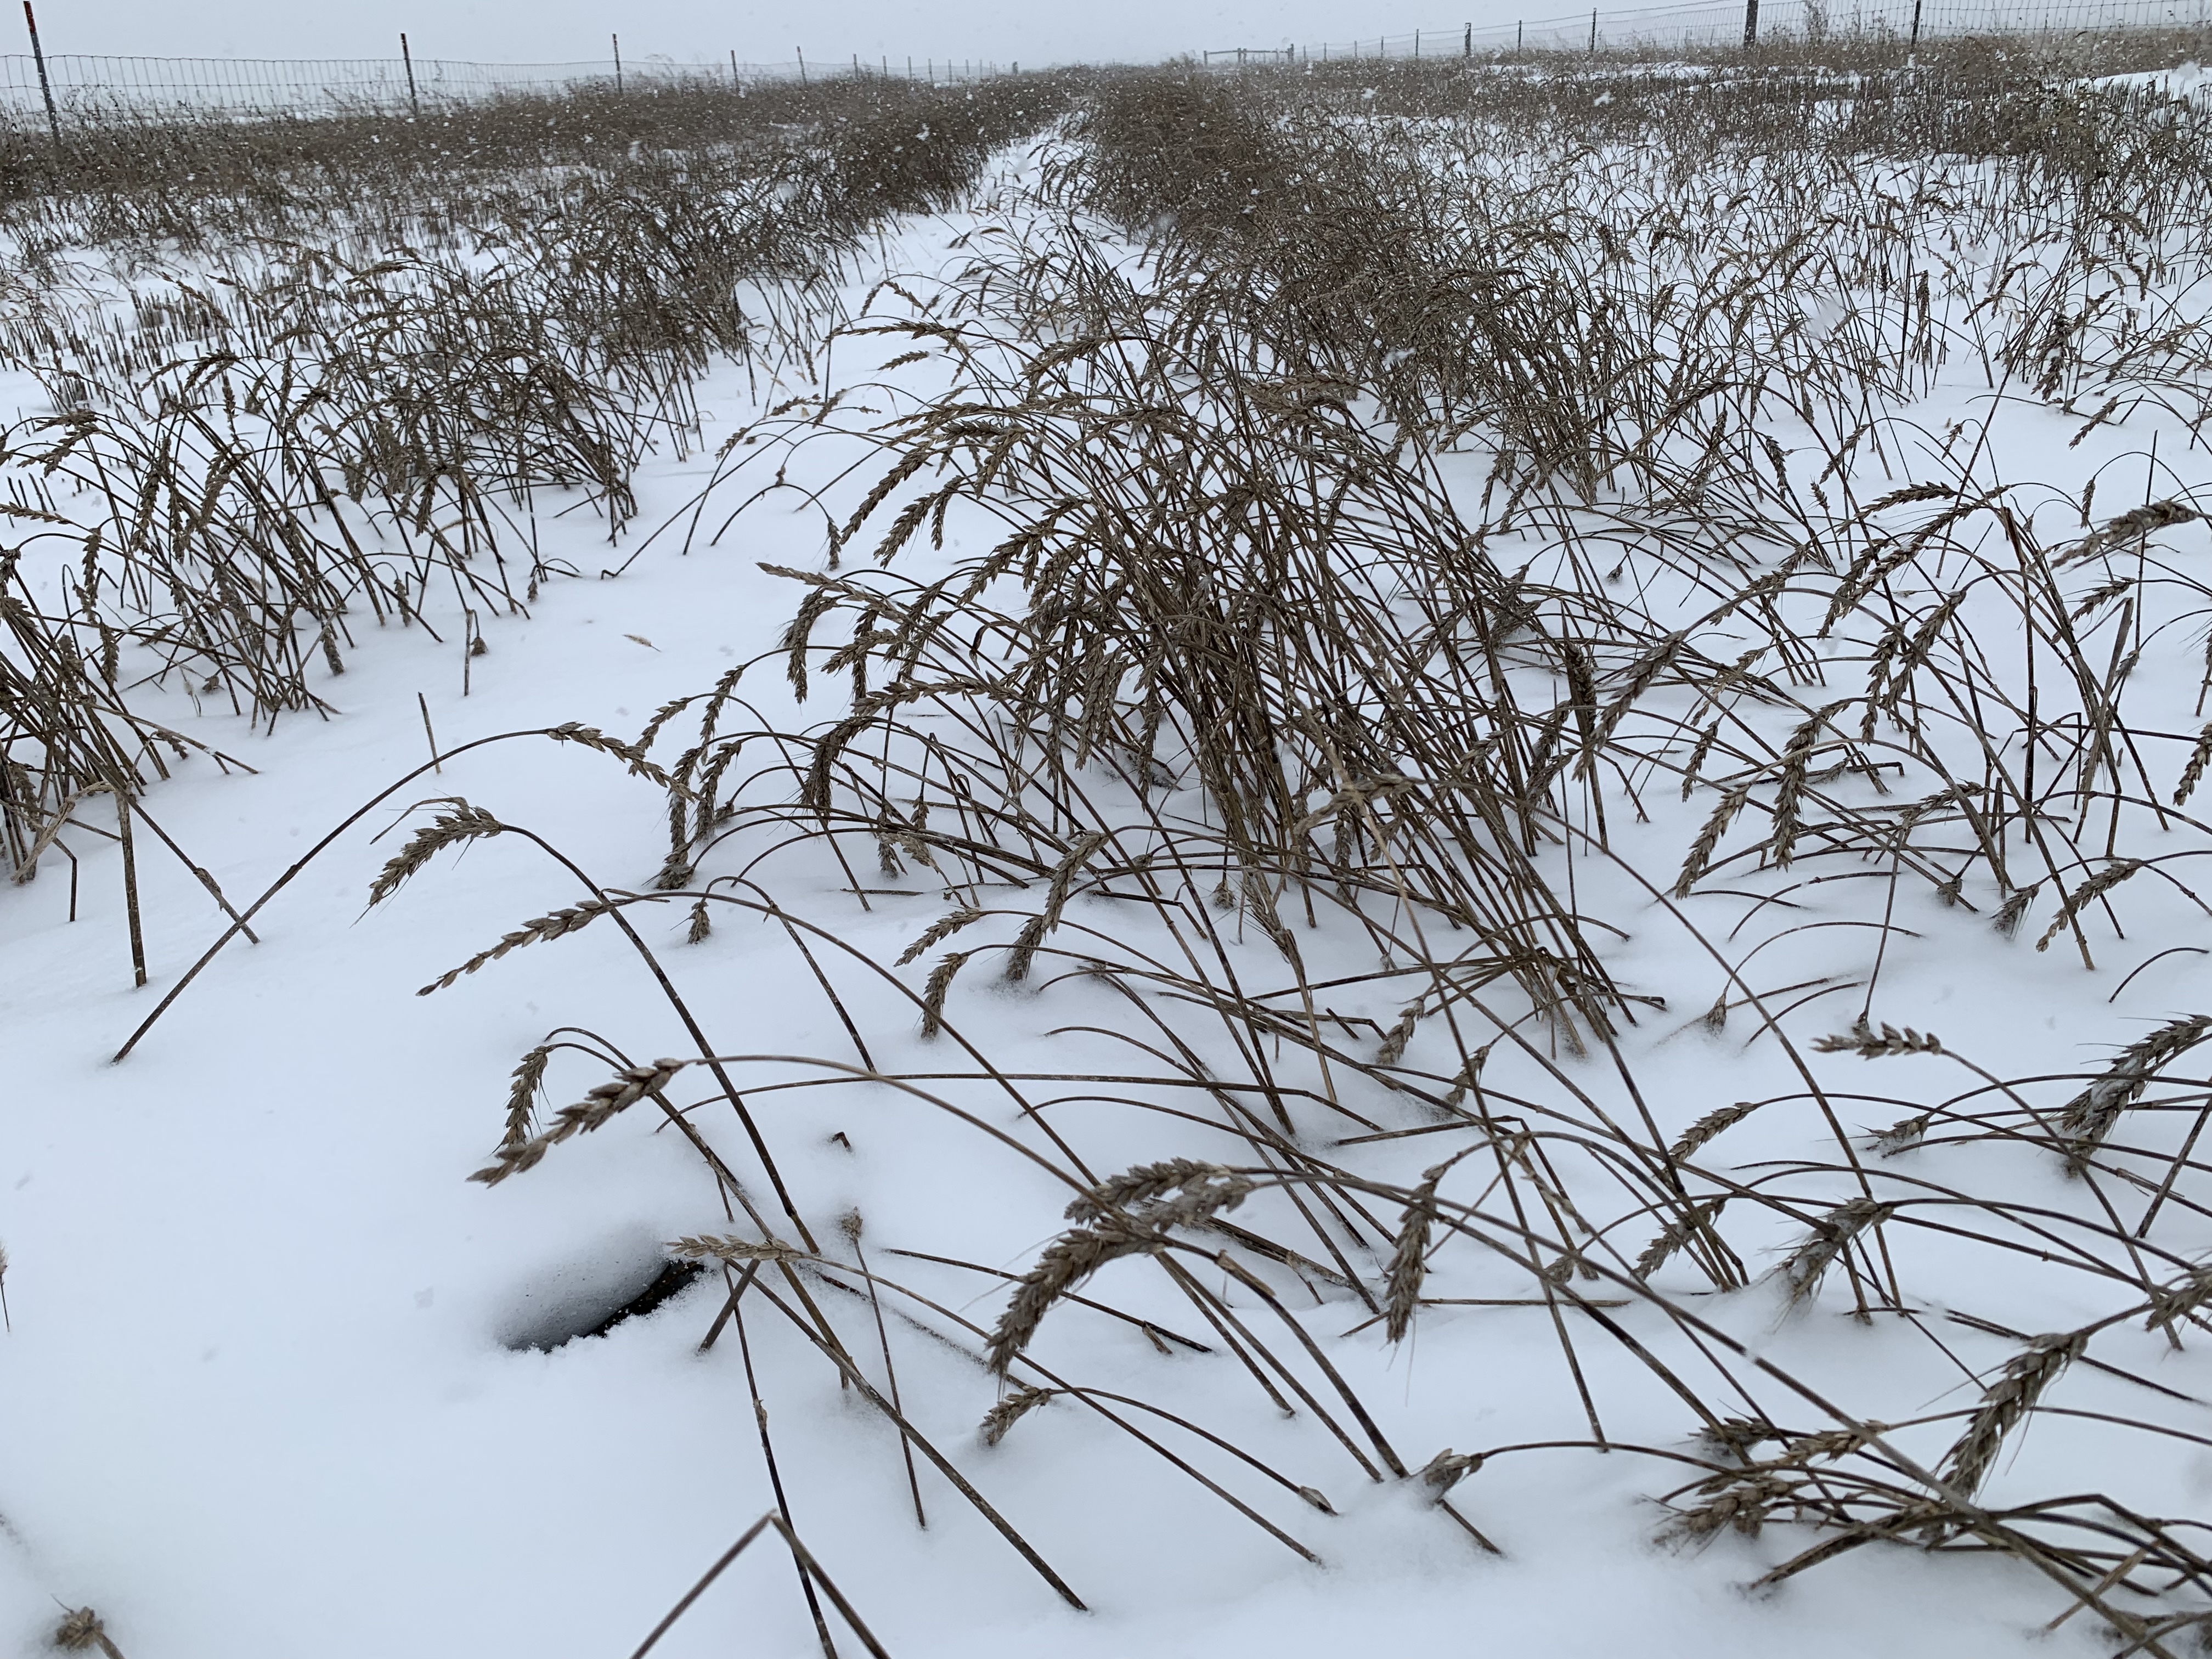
(1730, 23)
(88, 88)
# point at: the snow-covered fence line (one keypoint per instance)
(1702, 27)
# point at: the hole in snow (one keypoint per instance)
(590, 1296)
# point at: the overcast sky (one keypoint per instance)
(541, 31)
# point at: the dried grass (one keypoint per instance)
(1244, 680)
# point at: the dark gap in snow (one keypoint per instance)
(558, 1319)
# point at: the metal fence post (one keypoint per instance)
(801, 51)
(45, 86)
(1750, 22)
(1915, 25)
(1593, 27)
(414, 103)
(1467, 45)
(616, 39)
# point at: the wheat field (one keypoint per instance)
(1246, 860)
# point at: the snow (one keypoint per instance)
(2185, 80)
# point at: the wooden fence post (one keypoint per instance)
(406, 57)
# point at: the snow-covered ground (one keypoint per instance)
(262, 1383)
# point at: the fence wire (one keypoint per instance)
(1705, 27)
(88, 88)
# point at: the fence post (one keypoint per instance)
(1518, 26)
(45, 86)
(1467, 46)
(1751, 23)
(406, 57)
(801, 51)
(616, 39)
(1593, 27)
(1915, 25)
(736, 85)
